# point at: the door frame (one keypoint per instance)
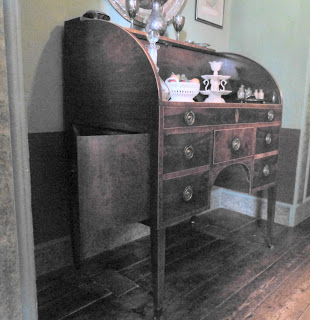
(20, 158)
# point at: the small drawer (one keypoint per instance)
(185, 194)
(259, 115)
(185, 151)
(265, 171)
(195, 117)
(233, 144)
(267, 139)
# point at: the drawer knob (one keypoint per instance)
(188, 193)
(270, 115)
(268, 138)
(189, 118)
(266, 170)
(235, 144)
(189, 152)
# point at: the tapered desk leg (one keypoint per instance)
(271, 208)
(158, 244)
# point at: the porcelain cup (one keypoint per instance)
(216, 66)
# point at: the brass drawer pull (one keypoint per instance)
(270, 115)
(266, 170)
(235, 144)
(268, 138)
(189, 152)
(189, 118)
(188, 193)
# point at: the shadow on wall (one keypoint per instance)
(45, 106)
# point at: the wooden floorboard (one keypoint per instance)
(218, 268)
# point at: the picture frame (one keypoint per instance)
(210, 12)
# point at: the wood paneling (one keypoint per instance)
(287, 164)
(49, 170)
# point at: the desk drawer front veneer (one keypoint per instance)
(259, 115)
(185, 194)
(112, 93)
(232, 144)
(267, 139)
(265, 171)
(186, 150)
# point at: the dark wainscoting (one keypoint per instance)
(49, 186)
(287, 164)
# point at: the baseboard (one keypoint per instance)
(253, 206)
(53, 255)
(302, 212)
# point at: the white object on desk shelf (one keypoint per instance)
(261, 94)
(182, 91)
(217, 84)
(215, 96)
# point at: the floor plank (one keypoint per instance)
(290, 300)
(306, 314)
(254, 291)
(217, 268)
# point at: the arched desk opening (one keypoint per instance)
(234, 177)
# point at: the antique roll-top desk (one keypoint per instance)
(135, 157)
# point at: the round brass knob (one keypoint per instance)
(189, 118)
(189, 152)
(235, 144)
(188, 193)
(270, 115)
(268, 138)
(266, 170)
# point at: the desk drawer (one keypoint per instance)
(265, 170)
(250, 115)
(233, 144)
(195, 117)
(267, 139)
(185, 194)
(185, 151)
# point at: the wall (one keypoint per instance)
(276, 34)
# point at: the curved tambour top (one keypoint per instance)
(251, 74)
(109, 81)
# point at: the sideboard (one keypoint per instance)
(135, 157)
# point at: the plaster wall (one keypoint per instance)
(276, 34)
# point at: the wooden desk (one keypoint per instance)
(135, 157)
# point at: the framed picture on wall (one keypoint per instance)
(210, 12)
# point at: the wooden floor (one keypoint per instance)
(219, 268)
